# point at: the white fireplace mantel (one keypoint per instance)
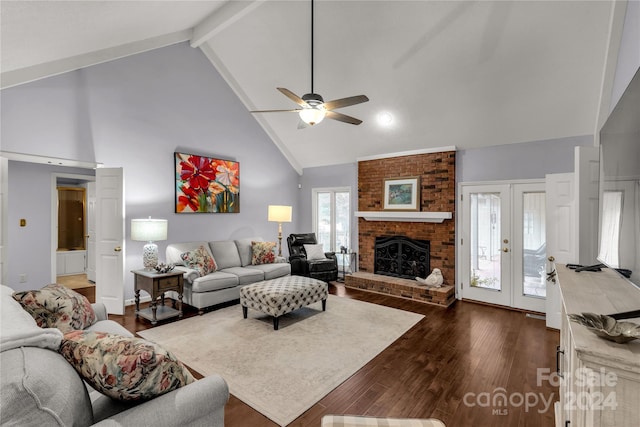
(404, 216)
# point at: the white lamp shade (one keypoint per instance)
(149, 230)
(278, 213)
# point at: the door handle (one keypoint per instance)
(505, 250)
(551, 258)
(117, 249)
(558, 370)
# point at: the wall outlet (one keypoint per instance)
(23, 277)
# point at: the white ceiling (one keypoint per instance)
(450, 73)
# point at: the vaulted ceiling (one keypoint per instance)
(438, 73)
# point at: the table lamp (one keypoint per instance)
(149, 230)
(279, 214)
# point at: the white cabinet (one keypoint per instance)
(70, 262)
(600, 383)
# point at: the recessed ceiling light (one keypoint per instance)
(385, 118)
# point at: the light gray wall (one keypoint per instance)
(30, 198)
(343, 175)
(134, 113)
(527, 160)
(629, 55)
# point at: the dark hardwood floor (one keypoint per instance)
(455, 365)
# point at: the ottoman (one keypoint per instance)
(283, 295)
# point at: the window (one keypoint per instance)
(331, 217)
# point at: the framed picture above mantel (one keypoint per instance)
(402, 194)
(206, 184)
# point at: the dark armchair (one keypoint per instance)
(321, 269)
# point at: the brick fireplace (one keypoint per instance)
(437, 194)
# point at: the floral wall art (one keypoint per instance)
(206, 184)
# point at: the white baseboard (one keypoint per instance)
(132, 301)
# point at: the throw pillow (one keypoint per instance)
(262, 253)
(124, 368)
(200, 260)
(314, 251)
(56, 306)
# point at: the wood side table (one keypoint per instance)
(156, 284)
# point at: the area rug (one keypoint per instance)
(283, 373)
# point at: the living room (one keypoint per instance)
(134, 112)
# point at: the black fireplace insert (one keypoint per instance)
(400, 256)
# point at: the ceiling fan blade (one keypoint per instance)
(274, 111)
(345, 102)
(292, 96)
(343, 118)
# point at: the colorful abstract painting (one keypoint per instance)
(205, 184)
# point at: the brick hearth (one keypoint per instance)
(402, 288)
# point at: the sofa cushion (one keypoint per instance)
(124, 368)
(214, 282)
(174, 250)
(109, 326)
(39, 388)
(56, 306)
(318, 265)
(272, 271)
(244, 249)
(245, 275)
(225, 253)
(262, 253)
(200, 260)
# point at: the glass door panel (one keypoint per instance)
(485, 241)
(323, 219)
(342, 231)
(529, 246)
(534, 244)
(485, 244)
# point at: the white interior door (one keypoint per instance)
(91, 231)
(109, 233)
(562, 236)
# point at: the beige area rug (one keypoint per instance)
(283, 373)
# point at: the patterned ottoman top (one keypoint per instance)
(275, 292)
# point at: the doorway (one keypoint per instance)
(503, 245)
(70, 218)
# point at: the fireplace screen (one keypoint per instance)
(401, 256)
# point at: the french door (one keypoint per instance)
(503, 244)
(331, 217)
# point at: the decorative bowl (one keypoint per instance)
(607, 327)
(164, 268)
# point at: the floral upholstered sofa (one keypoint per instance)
(51, 375)
(215, 271)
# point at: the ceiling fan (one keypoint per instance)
(314, 108)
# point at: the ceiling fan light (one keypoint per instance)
(312, 116)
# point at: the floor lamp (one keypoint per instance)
(280, 214)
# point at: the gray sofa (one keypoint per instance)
(233, 258)
(39, 387)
